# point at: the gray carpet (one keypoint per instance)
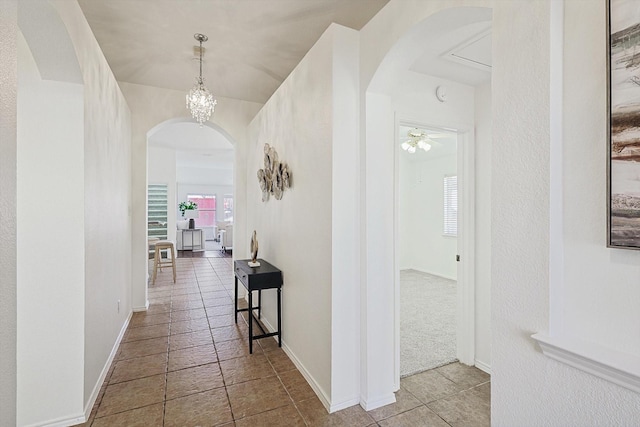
(427, 321)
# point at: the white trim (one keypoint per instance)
(483, 366)
(556, 173)
(324, 399)
(377, 403)
(465, 333)
(61, 422)
(611, 365)
(105, 369)
(465, 329)
(143, 308)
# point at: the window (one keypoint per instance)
(157, 211)
(451, 206)
(206, 209)
(228, 208)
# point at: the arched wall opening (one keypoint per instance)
(191, 159)
(402, 89)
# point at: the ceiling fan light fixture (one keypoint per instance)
(200, 101)
(417, 139)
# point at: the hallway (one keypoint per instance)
(186, 363)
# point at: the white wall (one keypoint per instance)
(151, 106)
(76, 162)
(8, 197)
(423, 246)
(413, 98)
(305, 234)
(345, 232)
(195, 175)
(107, 196)
(600, 285)
(295, 232)
(50, 209)
(483, 225)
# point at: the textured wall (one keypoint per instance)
(295, 232)
(107, 190)
(520, 205)
(528, 388)
(8, 142)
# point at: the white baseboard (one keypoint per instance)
(378, 402)
(324, 399)
(483, 366)
(145, 307)
(105, 370)
(61, 422)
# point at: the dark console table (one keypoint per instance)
(256, 279)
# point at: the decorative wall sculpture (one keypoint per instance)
(275, 177)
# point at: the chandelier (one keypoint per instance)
(417, 139)
(200, 101)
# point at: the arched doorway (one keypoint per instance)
(403, 88)
(188, 162)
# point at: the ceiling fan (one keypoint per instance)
(419, 139)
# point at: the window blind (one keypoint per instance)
(157, 213)
(450, 206)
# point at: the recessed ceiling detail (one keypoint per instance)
(475, 52)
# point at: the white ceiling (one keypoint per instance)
(462, 54)
(253, 44)
(200, 147)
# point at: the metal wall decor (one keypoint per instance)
(275, 177)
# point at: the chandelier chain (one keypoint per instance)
(200, 101)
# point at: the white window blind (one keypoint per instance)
(450, 206)
(157, 213)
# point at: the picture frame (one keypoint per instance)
(623, 121)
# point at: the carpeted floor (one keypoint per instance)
(427, 321)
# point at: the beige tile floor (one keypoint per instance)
(186, 363)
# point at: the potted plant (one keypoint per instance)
(192, 207)
(184, 206)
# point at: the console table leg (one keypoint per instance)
(279, 318)
(250, 319)
(235, 299)
(259, 302)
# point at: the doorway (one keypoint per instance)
(196, 165)
(427, 246)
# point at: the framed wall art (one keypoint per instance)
(624, 124)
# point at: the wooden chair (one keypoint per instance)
(158, 263)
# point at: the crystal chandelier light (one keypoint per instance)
(200, 101)
(417, 139)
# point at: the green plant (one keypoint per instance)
(183, 206)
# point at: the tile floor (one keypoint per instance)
(186, 363)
